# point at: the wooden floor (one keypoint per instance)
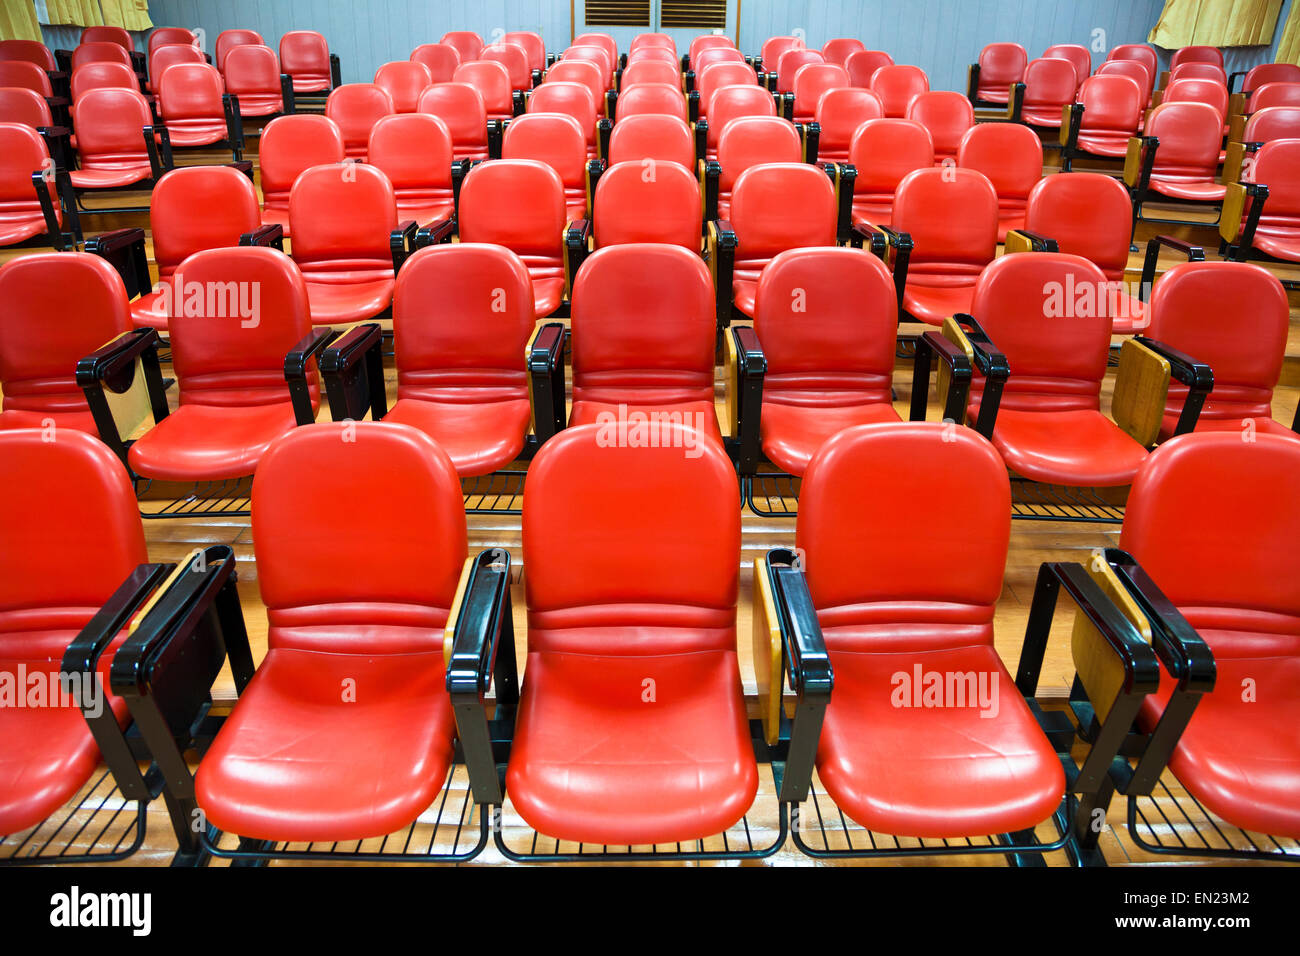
(1032, 542)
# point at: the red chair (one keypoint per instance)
(346, 241)
(162, 60)
(1138, 52)
(1199, 71)
(493, 82)
(115, 141)
(197, 111)
(1210, 92)
(770, 52)
(897, 86)
(1011, 156)
(355, 108)
(1197, 54)
(105, 52)
(811, 83)
(1107, 115)
(572, 99)
(652, 137)
(660, 41)
(98, 76)
(714, 78)
(1179, 155)
(602, 40)
(515, 60)
(747, 141)
(728, 105)
(227, 40)
(467, 43)
(655, 53)
(655, 98)
(839, 114)
(461, 108)
(30, 204)
(862, 66)
(1001, 66)
(306, 58)
(19, 74)
(1078, 55)
(192, 209)
(650, 71)
(414, 150)
(38, 358)
(884, 151)
(28, 51)
(534, 46)
(634, 203)
(25, 107)
(587, 74)
(1135, 71)
(1050, 86)
(253, 76)
(288, 146)
(1263, 73)
(170, 36)
(404, 81)
(706, 58)
(598, 57)
(519, 204)
(1270, 225)
(558, 141)
(1274, 94)
(117, 35)
(440, 59)
(840, 49)
(947, 115)
(791, 62)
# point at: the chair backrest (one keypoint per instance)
(1050, 82)
(533, 45)
(897, 85)
(656, 98)
(492, 81)
(555, 139)
(1270, 73)
(947, 115)
(654, 53)
(220, 358)
(1077, 54)
(467, 43)
(227, 40)
(582, 72)
(884, 151)
(1010, 155)
(1276, 165)
(706, 41)
(952, 216)
(717, 54)
(516, 203)
(103, 75)
(1274, 94)
(1088, 214)
(636, 202)
(598, 56)
(1198, 91)
(718, 76)
(462, 316)
(23, 152)
(110, 52)
(117, 35)
(356, 107)
(251, 69)
(20, 74)
(26, 107)
(1199, 71)
(573, 99)
(440, 59)
(461, 107)
(1189, 135)
(305, 55)
(1112, 103)
(652, 40)
(732, 102)
(1002, 64)
(343, 214)
(109, 124)
(28, 51)
(404, 80)
(1197, 54)
(602, 40)
(1139, 52)
(790, 63)
(169, 36)
(168, 56)
(772, 49)
(779, 206)
(862, 66)
(650, 71)
(950, 558)
(191, 91)
(1134, 70)
(840, 113)
(414, 150)
(291, 144)
(751, 140)
(813, 81)
(652, 137)
(409, 540)
(839, 49)
(200, 207)
(515, 60)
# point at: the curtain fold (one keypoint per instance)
(1288, 47)
(18, 20)
(81, 13)
(1221, 23)
(131, 14)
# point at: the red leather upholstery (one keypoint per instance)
(38, 357)
(602, 40)
(952, 217)
(947, 115)
(519, 204)
(1011, 156)
(296, 760)
(193, 208)
(811, 82)
(862, 66)
(108, 52)
(1188, 157)
(839, 114)
(583, 72)
(414, 151)
(1135, 70)
(74, 490)
(1001, 64)
(1078, 55)
(1049, 427)
(28, 51)
(1237, 756)
(22, 152)
(748, 141)
(462, 318)
(27, 108)
(597, 56)
(467, 43)
(440, 59)
(1112, 113)
(1270, 73)
(94, 76)
(718, 76)
(644, 328)
(514, 59)
(165, 36)
(831, 358)
(1138, 52)
(636, 202)
(355, 108)
(1234, 316)
(839, 49)
(774, 207)
(234, 402)
(653, 53)
(884, 151)
(897, 86)
(189, 100)
(289, 145)
(165, 58)
(1273, 95)
(1274, 122)
(305, 56)
(1050, 85)
(790, 63)
(493, 83)
(253, 74)
(110, 144)
(1277, 165)
(949, 771)
(1199, 71)
(1198, 91)
(533, 45)
(1197, 54)
(460, 106)
(770, 52)
(660, 138)
(227, 40)
(643, 41)
(648, 71)
(23, 75)
(655, 98)
(728, 104)
(558, 141)
(1090, 215)
(573, 99)
(640, 595)
(404, 80)
(342, 217)
(719, 54)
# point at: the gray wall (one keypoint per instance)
(942, 36)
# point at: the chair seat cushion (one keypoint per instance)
(425, 211)
(594, 761)
(210, 442)
(1077, 447)
(197, 132)
(1179, 188)
(792, 434)
(936, 771)
(933, 304)
(478, 437)
(702, 416)
(148, 310)
(260, 104)
(1232, 423)
(294, 761)
(340, 303)
(1105, 142)
(310, 82)
(548, 294)
(1279, 243)
(110, 177)
(18, 227)
(81, 421)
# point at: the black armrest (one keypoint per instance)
(234, 125)
(785, 105)
(1196, 375)
(877, 243)
(595, 169)
(517, 102)
(546, 376)
(931, 344)
(244, 166)
(973, 83)
(1017, 102)
(575, 247)
(125, 251)
(846, 175)
(701, 140)
(58, 140)
(611, 103)
(807, 667)
(1038, 242)
(1258, 193)
(59, 240)
(724, 267)
(693, 106)
(990, 363)
(537, 77)
(495, 132)
(812, 133)
(751, 367)
(112, 367)
(353, 370)
(289, 105)
(1071, 136)
(604, 129)
(688, 79)
(712, 178)
(435, 233)
(402, 242)
(459, 170)
(901, 243)
(483, 650)
(271, 235)
(295, 371)
(1232, 80)
(161, 159)
(336, 71)
(1193, 253)
(63, 60)
(1138, 189)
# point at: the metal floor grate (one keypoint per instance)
(1175, 823)
(772, 494)
(227, 499)
(1036, 501)
(501, 492)
(97, 825)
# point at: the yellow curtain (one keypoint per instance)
(131, 14)
(18, 20)
(81, 13)
(1288, 48)
(1215, 23)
